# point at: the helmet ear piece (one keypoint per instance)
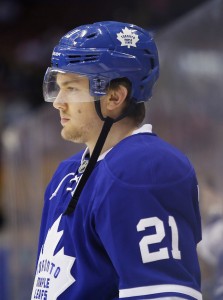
(98, 86)
(105, 51)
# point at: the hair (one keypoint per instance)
(138, 111)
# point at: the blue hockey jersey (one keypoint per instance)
(134, 232)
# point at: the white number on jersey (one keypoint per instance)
(156, 238)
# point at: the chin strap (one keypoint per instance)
(108, 122)
(92, 162)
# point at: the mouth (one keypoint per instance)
(63, 120)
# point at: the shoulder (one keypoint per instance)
(146, 158)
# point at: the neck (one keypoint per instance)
(118, 132)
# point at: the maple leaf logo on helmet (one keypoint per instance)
(127, 37)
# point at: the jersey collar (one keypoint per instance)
(146, 128)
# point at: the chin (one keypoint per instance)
(72, 136)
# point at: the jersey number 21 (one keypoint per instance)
(156, 238)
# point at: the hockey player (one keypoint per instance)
(121, 218)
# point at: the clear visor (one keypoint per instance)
(64, 87)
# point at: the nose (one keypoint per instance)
(58, 103)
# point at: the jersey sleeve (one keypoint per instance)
(150, 233)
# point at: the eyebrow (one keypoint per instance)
(64, 83)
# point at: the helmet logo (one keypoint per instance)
(99, 85)
(127, 37)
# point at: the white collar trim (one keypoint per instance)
(146, 128)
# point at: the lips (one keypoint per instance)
(64, 120)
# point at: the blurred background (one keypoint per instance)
(186, 110)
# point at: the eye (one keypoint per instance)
(72, 89)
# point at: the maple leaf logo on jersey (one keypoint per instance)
(127, 37)
(53, 275)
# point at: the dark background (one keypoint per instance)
(30, 29)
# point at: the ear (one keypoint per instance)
(116, 98)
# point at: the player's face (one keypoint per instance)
(76, 106)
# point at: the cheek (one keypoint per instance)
(75, 110)
(83, 113)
